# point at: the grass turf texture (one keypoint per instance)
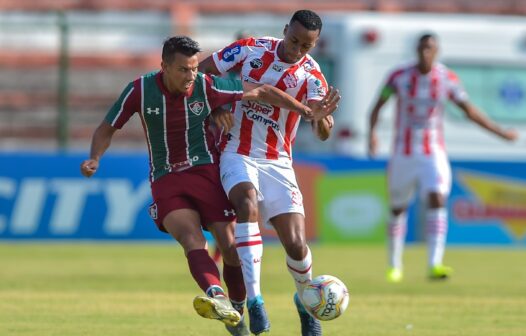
(140, 289)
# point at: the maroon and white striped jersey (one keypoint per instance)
(262, 130)
(420, 107)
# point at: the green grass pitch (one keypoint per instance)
(146, 289)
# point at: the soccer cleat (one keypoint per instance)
(241, 329)
(394, 275)
(309, 325)
(217, 308)
(259, 322)
(440, 272)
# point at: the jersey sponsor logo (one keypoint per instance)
(291, 81)
(261, 119)
(197, 107)
(152, 210)
(264, 43)
(308, 66)
(257, 107)
(256, 63)
(230, 53)
(229, 212)
(151, 110)
(277, 68)
(319, 91)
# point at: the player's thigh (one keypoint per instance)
(185, 226)
(280, 191)
(435, 177)
(203, 188)
(168, 195)
(401, 181)
(235, 169)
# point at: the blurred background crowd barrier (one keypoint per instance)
(63, 63)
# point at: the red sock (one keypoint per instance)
(203, 269)
(233, 277)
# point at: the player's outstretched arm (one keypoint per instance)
(479, 118)
(100, 142)
(372, 145)
(274, 96)
(208, 66)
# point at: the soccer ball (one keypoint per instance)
(325, 297)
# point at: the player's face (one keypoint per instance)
(298, 41)
(427, 52)
(181, 72)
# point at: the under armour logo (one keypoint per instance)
(256, 260)
(150, 110)
(231, 212)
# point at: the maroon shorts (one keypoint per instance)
(198, 188)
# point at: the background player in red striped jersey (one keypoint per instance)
(174, 106)
(419, 157)
(256, 159)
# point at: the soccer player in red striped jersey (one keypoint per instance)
(419, 156)
(174, 105)
(256, 160)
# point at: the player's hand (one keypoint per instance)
(223, 119)
(327, 105)
(373, 145)
(89, 167)
(510, 135)
(306, 113)
(322, 128)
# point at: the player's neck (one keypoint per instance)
(424, 69)
(170, 88)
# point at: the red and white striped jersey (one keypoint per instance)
(262, 130)
(420, 107)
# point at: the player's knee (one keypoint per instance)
(246, 209)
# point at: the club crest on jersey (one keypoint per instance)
(291, 81)
(256, 63)
(229, 53)
(277, 68)
(151, 110)
(197, 107)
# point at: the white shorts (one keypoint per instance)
(407, 173)
(275, 181)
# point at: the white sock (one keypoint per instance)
(436, 222)
(396, 235)
(301, 270)
(250, 250)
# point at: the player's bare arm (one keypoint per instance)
(208, 66)
(274, 96)
(479, 118)
(223, 118)
(372, 145)
(99, 144)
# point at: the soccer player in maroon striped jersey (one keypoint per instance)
(419, 157)
(256, 160)
(174, 105)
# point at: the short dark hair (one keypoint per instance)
(307, 19)
(179, 44)
(426, 36)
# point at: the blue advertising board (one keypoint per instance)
(43, 196)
